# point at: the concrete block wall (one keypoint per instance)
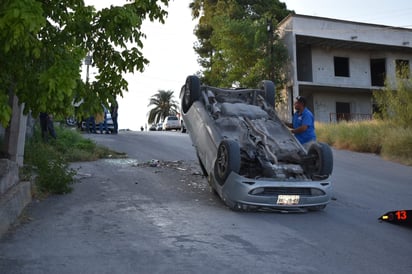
(14, 194)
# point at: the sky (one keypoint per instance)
(169, 46)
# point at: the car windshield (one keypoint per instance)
(172, 118)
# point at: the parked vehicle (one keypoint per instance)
(159, 126)
(171, 122)
(153, 127)
(109, 122)
(71, 121)
(82, 124)
(250, 157)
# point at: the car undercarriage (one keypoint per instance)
(238, 131)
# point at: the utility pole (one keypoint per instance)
(271, 73)
(87, 62)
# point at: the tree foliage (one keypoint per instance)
(44, 42)
(237, 42)
(395, 104)
(163, 105)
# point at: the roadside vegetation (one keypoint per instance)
(237, 42)
(389, 134)
(47, 163)
(391, 141)
(51, 81)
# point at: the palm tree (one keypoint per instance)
(164, 105)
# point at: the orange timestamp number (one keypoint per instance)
(401, 215)
(398, 216)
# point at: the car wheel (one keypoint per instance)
(83, 125)
(71, 121)
(192, 92)
(322, 165)
(269, 88)
(183, 129)
(228, 160)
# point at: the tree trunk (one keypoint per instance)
(15, 133)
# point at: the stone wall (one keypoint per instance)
(14, 195)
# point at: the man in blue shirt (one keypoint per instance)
(303, 122)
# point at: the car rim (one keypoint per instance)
(187, 94)
(317, 162)
(186, 98)
(222, 161)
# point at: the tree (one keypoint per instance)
(395, 102)
(237, 43)
(43, 44)
(164, 105)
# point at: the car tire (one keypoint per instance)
(192, 92)
(269, 88)
(227, 160)
(71, 121)
(83, 125)
(322, 166)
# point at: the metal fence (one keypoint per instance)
(338, 117)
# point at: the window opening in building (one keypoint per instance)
(304, 63)
(402, 69)
(341, 66)
(378, 72)
(342, 111)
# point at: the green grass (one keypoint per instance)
(390, 141)
(47, 163)
(76, 148)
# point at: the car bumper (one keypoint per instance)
(167, 127)
(239, 191)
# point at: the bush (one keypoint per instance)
(396, 105)
(397, 145)
(52, 174)
(49, 161)
(390, 140)
(74, 147)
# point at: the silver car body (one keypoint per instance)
(285, 182)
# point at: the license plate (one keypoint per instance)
(288, 199)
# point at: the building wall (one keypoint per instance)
(355, 89)
(324, 73)
(359, 67)
(391, 66)
(288, 39)
(285, 109)
(350, 31)
(325, 103)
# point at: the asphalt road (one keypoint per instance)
(125, 216)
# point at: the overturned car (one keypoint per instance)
(249, 156)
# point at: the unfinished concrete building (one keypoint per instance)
(338, 64)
